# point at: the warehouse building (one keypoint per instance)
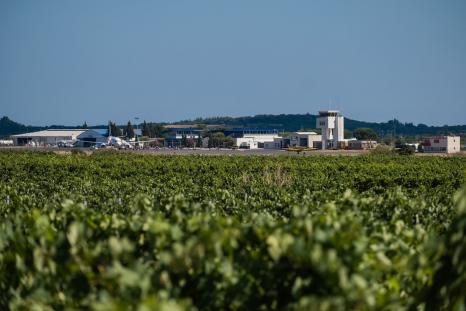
(46, 137)
(442, 144)
(310, 140)
(252, 138)
(54, 137)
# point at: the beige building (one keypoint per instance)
(444, 144)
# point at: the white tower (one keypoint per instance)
(332, 124)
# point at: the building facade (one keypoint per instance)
(331, 122)
(442, 144)
(252, 138)
(55, 137)
(175, 135)
(46, 137)
(310, 140)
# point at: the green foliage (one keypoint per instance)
(365, 134)
(77, 151)
(9, 127)
(448, 287)
(406, 150)
(348, 134)
(219, 140)
(114, 130)
(382, 150)
(152, 129)
(123, 231)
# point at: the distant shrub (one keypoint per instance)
(77, 151)
(382, 150)
(406, 150)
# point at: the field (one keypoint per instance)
(122, 231)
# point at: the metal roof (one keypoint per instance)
(52, 133)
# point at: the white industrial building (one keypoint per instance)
(444, 144)
(254, 141)
(54, 137)
(252, 138)
(296, 139)
(331, 122)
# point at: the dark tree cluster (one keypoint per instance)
(152, 129)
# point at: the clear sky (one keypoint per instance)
(70, 61)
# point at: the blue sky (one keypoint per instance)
(66, 62)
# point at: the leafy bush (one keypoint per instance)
(382, 150)
(406, 150)
(124, 231)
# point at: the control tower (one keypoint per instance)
(332, 124)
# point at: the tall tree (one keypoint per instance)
(129, 131)
(156, 130)
(217, 139)
(146, 129)
(184, 140)
(113, 129)
(209, 141)
(84, 126)
(199, 141)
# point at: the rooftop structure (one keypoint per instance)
(251, 138)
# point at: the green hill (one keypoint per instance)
(286, 122)
(10, 127)
(295, 122)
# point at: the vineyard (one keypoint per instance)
(117, 231)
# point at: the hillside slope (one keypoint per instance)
(286, 122)
(295, 122)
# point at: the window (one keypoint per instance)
(436, 141)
